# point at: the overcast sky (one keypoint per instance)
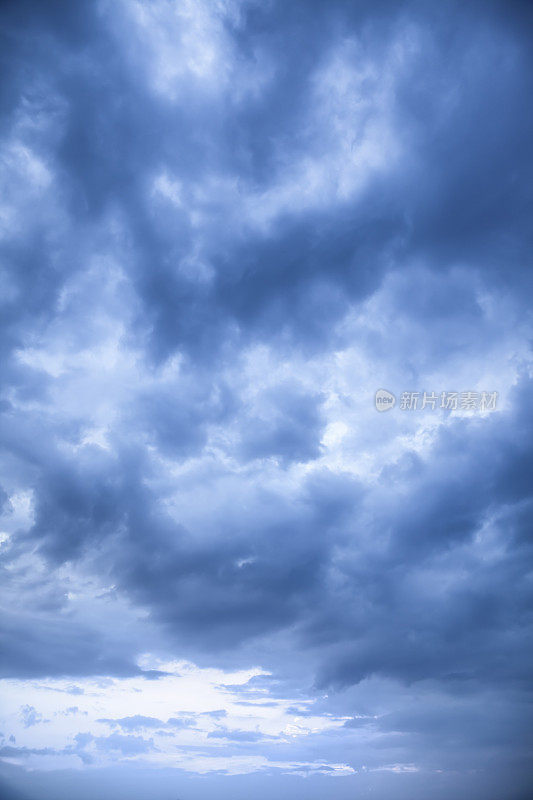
(225, 573)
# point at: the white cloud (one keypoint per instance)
(210, 696)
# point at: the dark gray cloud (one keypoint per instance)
(30, 716)
(221, 228)
(133, 723)
(36, 647)
(9, 793)
(239, 735)
(137, 722)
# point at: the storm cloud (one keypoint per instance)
(223, 227)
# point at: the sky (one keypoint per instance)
(265, 399)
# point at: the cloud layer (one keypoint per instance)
(223, 227)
